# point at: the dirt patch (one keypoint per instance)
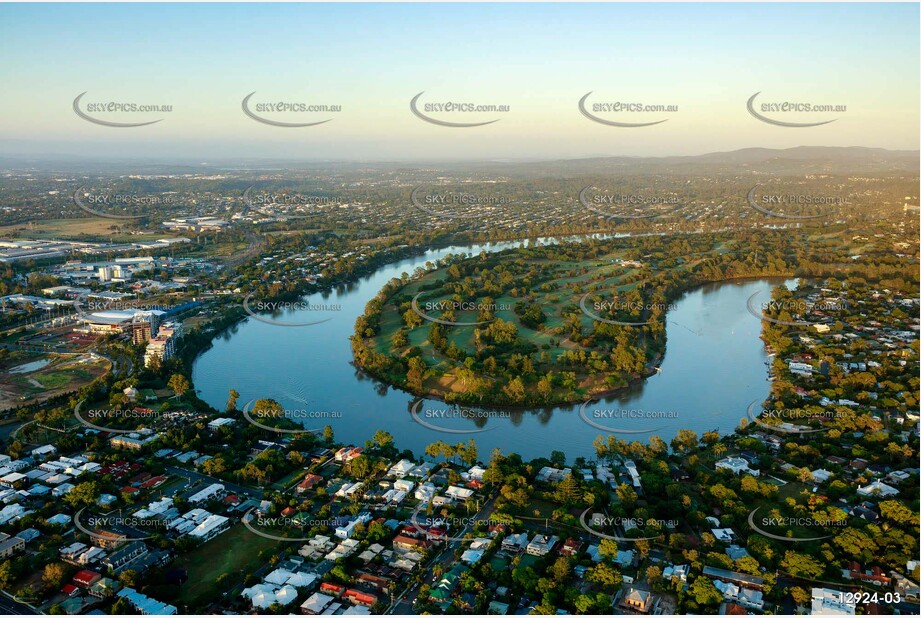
(63, 374)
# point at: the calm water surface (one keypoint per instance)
(714, 367)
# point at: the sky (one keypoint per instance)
(372, 59)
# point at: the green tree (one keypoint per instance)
(179, 384)
(801, 565)
(84, 494)
(514, 390)
(704, 593)
(416, 373)
(604, 575)
(382, 438)
(232, 400)
(54, 575)
(800, 596)
(608, 549)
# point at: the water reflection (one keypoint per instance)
(713, 368)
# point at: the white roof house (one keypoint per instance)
(878, 488)
(458, 493)
(727, 535)
(215, 490)
(345, 532)
(424, 492)
(44, 451)
(145, 604)
(515, 542)
(279, 577)
(12, 477)
(828, 602)
(404, 485)
(62, 490)
(316, 603)
(260, 595)
(220, 422)
(472, 556)
(736, 465)
(474, 474)
(401, 468)
(210, 527)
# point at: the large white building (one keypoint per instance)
(210, 527)
(211, 492)
(541, 545)
(878, 488)
(160, 348)
(736, 465)
(346, 531)
(827, 602)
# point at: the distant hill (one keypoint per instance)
(799, 160)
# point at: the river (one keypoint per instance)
(714, 367)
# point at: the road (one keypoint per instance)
(10, 607)
(117, 370)
(255, 244)
(37, 348)
(404, 603)
(234, 488)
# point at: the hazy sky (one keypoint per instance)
(539, 59)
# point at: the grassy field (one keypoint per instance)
(236, 551)
(63, 373)
(289, 479)
(557, 291)
(73, 228)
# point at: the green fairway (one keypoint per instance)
(236, 552)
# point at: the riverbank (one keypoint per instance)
(389, 345)
(714, 368)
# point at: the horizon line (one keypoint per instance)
(205, 160)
